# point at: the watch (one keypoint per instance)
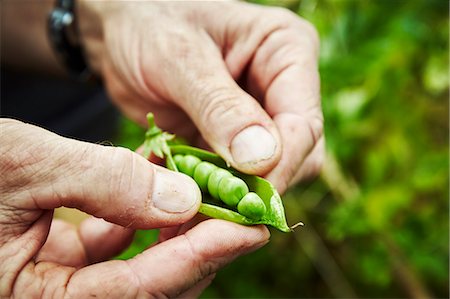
(64, 38)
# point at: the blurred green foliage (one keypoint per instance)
(377, 219)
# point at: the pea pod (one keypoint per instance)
(254, 202)
(274, 215)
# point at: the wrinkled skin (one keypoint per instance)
(180, 61)
(44, 258)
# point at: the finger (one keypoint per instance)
(200, 252)
(284, 73)
(102, 240)
(96, 240)
(231, 121)
(297, 144)
(63, 246)
(198, 289)
(173, 267)
(108, 182)
(312, 165)
(170, 232)
(15, 252)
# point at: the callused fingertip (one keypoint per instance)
(175, 193)
(255, 150)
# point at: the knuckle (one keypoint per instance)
(310, 30)
(219, 104)
(207, 268)
(319, 158)
(316, 167)
(23, 161)
(315, 162)
(283, 15)
(42, 280)
(204, 265)
(290, 172)
(274, 19)
(130, 286)
(122, 172)
(316, 126)
(312, 166)
(282, 18)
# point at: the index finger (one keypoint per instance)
(172, 267)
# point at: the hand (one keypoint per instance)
(182, 61)
(44, 258)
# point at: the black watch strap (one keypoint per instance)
(63, 36)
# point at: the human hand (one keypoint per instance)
(182, 61)
(44, 258)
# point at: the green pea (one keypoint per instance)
(252, 206)
(177, 159)
(231, 190)
(188, 164)
(201, 174)
(214, 181)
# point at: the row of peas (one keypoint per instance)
(221, 184)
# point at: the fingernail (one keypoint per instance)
(252, 145)
(174, 192)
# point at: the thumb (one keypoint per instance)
(113, 183)
(232, 122)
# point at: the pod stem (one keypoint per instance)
(156, 142)
(297, 225)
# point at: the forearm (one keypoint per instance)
(24, 41)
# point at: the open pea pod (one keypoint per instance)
(274, 215)
(157, 142)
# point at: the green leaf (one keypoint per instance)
(156, 141)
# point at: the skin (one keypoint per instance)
(270, 52)
(44, 258)
(210, 69)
